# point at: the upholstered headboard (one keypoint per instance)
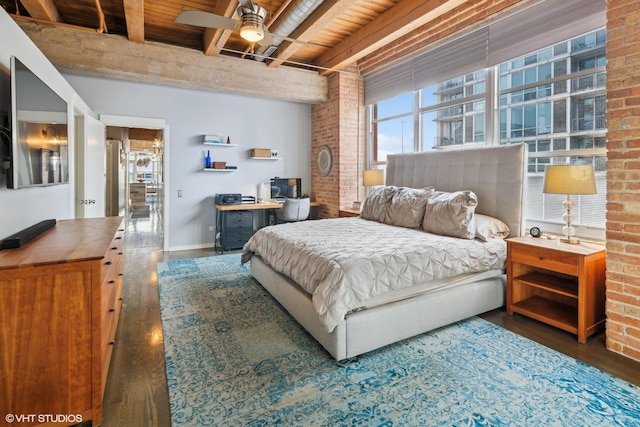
(496, 174)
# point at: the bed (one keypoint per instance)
(358, 284)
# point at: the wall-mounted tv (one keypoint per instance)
(39, 147)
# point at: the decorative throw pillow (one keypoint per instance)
(488, 227)
(375, 205)
(407, 207)
(451, 214)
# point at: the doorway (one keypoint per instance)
(136, 173)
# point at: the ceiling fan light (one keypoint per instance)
(252, 32)
(252, 26)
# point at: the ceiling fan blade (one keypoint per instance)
(199, 18)
(269, 37)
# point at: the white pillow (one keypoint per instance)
(406, 208)
(451, 214)
(375, 205)
(488, 227)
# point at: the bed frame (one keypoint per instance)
(497, 176)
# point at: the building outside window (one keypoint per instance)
(553, 100)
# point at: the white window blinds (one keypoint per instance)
(543, 24)
(525, 30)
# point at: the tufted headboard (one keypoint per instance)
(496, 174)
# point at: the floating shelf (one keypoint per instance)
(220, 144)
(218, 170)
(266, 158)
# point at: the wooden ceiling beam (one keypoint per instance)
(396, 22)
(326, 13)
(134, 17)
(42, 9)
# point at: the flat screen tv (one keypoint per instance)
(39, 132)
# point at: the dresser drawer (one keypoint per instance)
(549, 259)
(112, 256)
(238, 219)
(109, 327)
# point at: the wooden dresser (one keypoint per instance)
(60, 298)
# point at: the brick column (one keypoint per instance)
(338, 123)
(623, 177)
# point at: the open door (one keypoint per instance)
(90, 162)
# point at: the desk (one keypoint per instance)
(235, 222)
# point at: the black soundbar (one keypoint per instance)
(22, 237)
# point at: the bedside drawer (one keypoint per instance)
(548, 259)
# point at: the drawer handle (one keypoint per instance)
(112, 342)
(120, 274)
(111, 282)
(108, 263)
(119, 253)
(111, 310)
(114, 248)
(118, 237)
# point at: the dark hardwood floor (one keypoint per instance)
(137, 394)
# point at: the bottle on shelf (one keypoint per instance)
(207, 161)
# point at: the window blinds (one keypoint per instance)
(528, 29)
(543, 24)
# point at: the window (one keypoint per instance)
(553, 100)
(453, 112)
(393, 127)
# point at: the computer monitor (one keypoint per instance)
(282, 188)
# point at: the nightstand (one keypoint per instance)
(343, 213)
(557, 283)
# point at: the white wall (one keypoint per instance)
(22, 208)
(249, 122)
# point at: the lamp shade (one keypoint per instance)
(373, 177)
(569, 179)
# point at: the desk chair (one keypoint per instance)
(294, 210)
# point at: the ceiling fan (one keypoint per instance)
(251, 23)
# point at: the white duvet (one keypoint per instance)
(343, 262)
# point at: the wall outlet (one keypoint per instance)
(179, 193)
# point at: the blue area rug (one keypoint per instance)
(234, 357)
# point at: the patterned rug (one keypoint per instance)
(234, 357)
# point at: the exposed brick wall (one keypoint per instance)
(623, 177)
(335, 123)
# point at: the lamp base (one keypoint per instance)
(571, 241)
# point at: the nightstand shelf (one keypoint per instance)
(549, 282)
(557, 283)
(551, 312)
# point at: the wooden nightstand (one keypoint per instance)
(557, 283)
(343, 213)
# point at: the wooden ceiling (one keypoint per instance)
(337, 33)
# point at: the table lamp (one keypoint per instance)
(569, 179)
(373, 177)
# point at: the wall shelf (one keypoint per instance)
(219, 144)
(265, 158)
(218, 170)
